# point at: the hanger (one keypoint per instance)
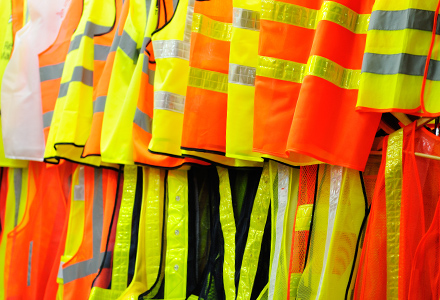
(419, 123)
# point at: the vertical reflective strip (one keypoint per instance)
(101, 52)
(29, 270)
(151, 75)
(393, 196)
(18, 176)
(47, 118)
(257, 224)
(189, 20)
(78, 189)
(227, 222)
(121, 254)
(99, 104)
(283, 192)
(143, 120)
(335, 190)
(98, 212)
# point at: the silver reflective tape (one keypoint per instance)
(51, 72)
(60, 271)
(29, 270)
(151, 74)
(101, 52)
(98, 212)
(335, 190)
(403, 19)
(246, 19)
(171, 48)
(143, 120)
(47, 118)
(18, 177)
(280, 206)
(175, 2)
(169, 101)
(242, 75)
(188, 22)
(99, 104)
(80, 74)
(78, 190)
(115, 43)
(145, 65)
(90, 30)
(129, 46)
(86, 267)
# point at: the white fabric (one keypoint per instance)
(21, 108)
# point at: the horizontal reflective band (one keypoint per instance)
(208, 80)
(99, 104)
(87, 267)
(403, 19)
(115, 43)
(80, 74)
(316, 66)
(47, 119)
(242, 75)
(51, 72)
(129, 46)
(211, 28)
(402, 63)
(246, 19)
(101, 52)
(171, 48)
(90, 30)
(169, 101)
(309, 18)
(143, 120)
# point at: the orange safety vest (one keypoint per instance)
(307, 80)
(52, 63)
(100, 193)
(204, 119)
(33, 244)
(400, 253)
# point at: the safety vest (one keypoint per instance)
(32, 245)
(83, 67)
(286, 74)
(19, 15)
(93, 254)
(396, 53)
(51, 62)
(22, 122)
(403, 222)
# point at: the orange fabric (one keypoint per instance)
(204, 119)
(418, 225)
(55, 55)
(17, 16)
(3, 195)
(32, 245)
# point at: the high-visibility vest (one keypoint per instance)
(33, 244)
(22, 122)
(83, 67)
(51, 62)
(79, 272)
(402, 221)
(283, 122)
(398, 41)
(19, 15)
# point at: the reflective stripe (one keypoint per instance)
(208, 80)
(280, 207)
(402, 63)
(99, 104)
(309, 18)
(171, 48)
(115, 43)
(18, 175)
(188, 22)
(303, 217)
(47, 118)
(101, 52)
(151, 74)
(335, 190)
(393, 196)
(244, 75)
(169, 101)
(246, 19)
(80, 74)
(129, 46)
(78, 189)
(403, 19)
(211, 28)
(143, 120)
(86, 267)
(51, 72)
(316, 66)
(90, 30)
(29, 270)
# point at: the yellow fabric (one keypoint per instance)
(149, 249)
(171, 76)
(227, 222)
(120, 107)
(13, 214)
(177, 236)
(73, 111)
